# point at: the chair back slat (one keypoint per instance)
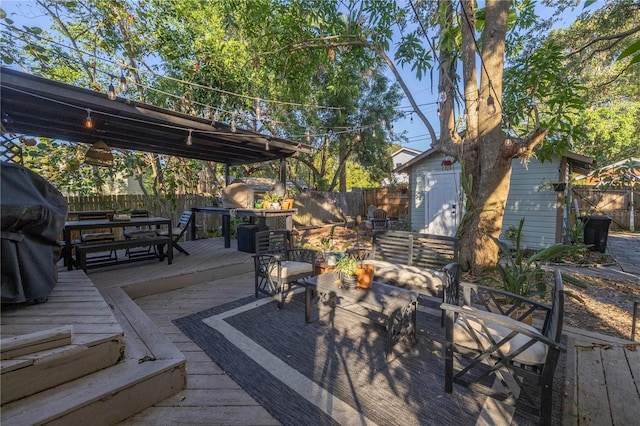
(273, 242)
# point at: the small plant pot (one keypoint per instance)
(349, 282)
(287, 204)
(365, 275)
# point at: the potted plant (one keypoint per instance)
(346, 268)
(272, 201)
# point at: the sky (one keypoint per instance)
(422, 91)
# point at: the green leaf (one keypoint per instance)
(631, 49)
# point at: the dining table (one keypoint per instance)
(79, 225)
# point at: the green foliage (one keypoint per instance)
(523, 274)
(614, 125)
(347, 266)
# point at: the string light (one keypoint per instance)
(411, 120)
(123, 82)
(266, 146)
(438, 112)
(308, 135)
(189, 140)
(491, 105)
(442, 95)
(88, 122)
(358, 137)
(112, 92)
(373, 132)
(233, 122)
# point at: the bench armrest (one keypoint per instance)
(489, 318)
(492, 299)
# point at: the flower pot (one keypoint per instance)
(365, 275)
(349, 282)
(287, 204)
(265, 204)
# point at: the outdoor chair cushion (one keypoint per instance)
(291, 268)
(536, 354)
(411, 277)
(165, 232)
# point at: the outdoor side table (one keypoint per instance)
(391, 307)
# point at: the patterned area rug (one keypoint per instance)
(333, 370)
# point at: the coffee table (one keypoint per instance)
(391, 307)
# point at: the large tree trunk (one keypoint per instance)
(489, 164)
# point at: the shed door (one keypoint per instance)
(442, 207)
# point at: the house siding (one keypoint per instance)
(528, 198)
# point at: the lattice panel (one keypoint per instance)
(10, 151)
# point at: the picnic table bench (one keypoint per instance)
(392, 307)
(83, 249)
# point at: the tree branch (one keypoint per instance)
(605, 38)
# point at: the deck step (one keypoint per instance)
(102, 398)
(150, 370)
(29, 373)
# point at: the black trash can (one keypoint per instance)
(596, 231)
(247, 238)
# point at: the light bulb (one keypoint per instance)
(491, 106)
(123, 83)
(438, 112)
(266, 146)
(358, 137)
(411, 121)
(112, 92)
(308, 135)
(88, 122)
(233, 123)
(373, 133)
(258, 112)
(189, 140)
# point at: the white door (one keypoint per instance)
(442, 204)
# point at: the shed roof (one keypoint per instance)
(36, 106)
(580, 163)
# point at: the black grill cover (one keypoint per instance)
(32, 215)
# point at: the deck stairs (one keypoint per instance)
(83, 357)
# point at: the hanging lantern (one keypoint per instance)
(447, 163)
(99, 154)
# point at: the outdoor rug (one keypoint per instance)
(333, 370)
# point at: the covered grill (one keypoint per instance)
(32, 215)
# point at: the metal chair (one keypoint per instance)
(178, 231)
(100, 236)
(490, 340)
(278, 265)
(140, 232)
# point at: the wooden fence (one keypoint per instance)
(615, 203)
(314, 208)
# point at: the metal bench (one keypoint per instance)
(84, 249)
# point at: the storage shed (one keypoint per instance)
(540, 192)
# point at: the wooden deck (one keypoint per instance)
(603, 374)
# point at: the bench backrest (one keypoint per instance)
(414, 249)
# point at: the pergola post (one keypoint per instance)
(283, 171)
(226, 174)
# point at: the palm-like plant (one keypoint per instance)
(522, 275)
